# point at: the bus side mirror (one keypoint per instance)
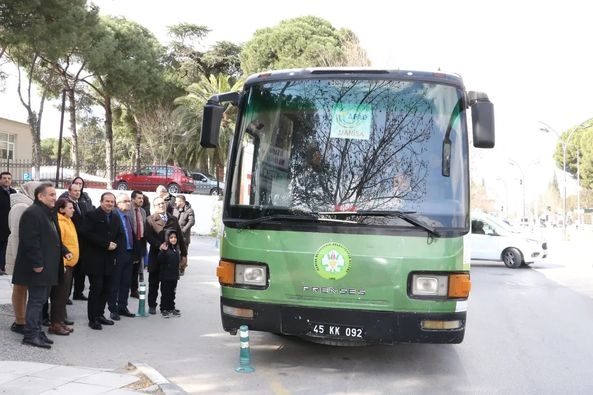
(482, 119)
(211, 120)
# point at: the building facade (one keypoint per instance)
(16, 147)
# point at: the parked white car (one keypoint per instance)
(494, 240)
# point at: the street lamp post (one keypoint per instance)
(523, 181)
(548, 128)
(506, 194)
(514, 163)
(578, 188)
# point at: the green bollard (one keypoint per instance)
(245, 354)
(141, 300)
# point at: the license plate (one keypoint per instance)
(336, 331)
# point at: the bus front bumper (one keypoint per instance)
(344, 325)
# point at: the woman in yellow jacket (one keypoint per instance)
(59, 293)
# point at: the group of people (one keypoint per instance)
(55, 243)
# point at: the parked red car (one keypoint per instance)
(174, 178)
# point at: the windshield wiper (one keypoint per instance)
(288, 217)
(404, 215)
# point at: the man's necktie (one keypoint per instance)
(138, 224)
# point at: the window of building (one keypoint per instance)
(7, 142)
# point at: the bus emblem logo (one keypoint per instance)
(332, 261)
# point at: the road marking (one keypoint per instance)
(274, 383)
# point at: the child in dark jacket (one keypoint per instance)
(168, 261)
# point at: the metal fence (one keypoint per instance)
(22, 171)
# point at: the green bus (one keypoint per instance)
(347, 204)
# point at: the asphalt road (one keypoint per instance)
(529, 332)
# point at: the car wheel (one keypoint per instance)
(173, 188)
(512, 258)
(122, 186)
(215, 191)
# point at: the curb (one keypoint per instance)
(167, 387)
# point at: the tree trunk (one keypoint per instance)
(33, 118)
(34, 126)
(73, 132)
(108, 142)
(138, 133)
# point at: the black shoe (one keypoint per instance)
(46, 322)
(2, 272)
(152, 310)
(104, 321)
(36, 341)
(166, 313)
(113, 316)
(80, 297)
(126, 313)
(68, 322)
(69, 302)
(18, 328)
(95, 325)
(134, 294)
(174, 313)
(45, 339)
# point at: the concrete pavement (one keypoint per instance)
(32, 378)
(20, 374)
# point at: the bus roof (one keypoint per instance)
(355, 72)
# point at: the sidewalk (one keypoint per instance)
(34, 378)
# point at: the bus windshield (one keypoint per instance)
(352, 145)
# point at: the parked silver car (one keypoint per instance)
(207, 184)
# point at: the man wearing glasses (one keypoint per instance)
(154, 232)
(122, 273)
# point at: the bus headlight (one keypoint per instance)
(440, 286)
(246, 275)
(429, 285)
(250, 275)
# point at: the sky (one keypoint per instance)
(529, 57)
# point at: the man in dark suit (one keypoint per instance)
(154, 232)
(138, 219)
(38, 263)
(5, 191)
(102, 234)
(120, 280)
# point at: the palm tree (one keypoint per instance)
(189, 108)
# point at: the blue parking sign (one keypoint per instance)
(27, 176)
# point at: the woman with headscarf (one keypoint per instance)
(84, 197)
(18, 203)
